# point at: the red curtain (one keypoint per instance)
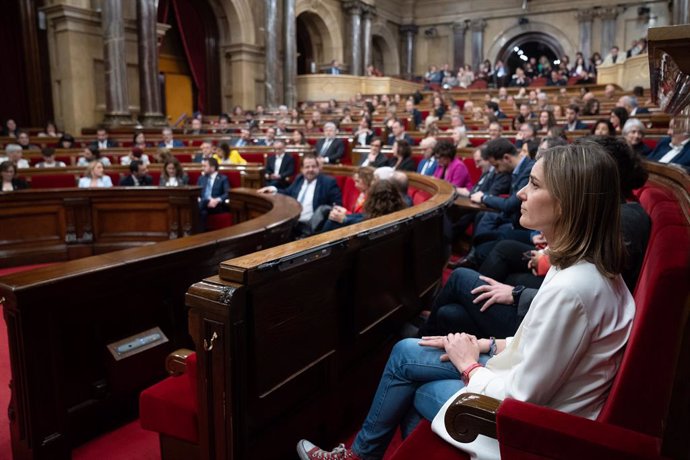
(193, 33)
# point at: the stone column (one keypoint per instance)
(114, 58)
(477, 26)
(585, 18)
(290, 44)
(274, 81)
(354, 9)
(409, 31)
(151, 113)
(459, 29)
(368, 15)
(608, 30)
(681, 12)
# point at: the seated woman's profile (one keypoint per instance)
(567, 350)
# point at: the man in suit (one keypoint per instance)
(138, 176)
(214, 191)
(414, 114)
(629, 103)
(493, 226)
(312, 189)
(269, 139)
(205, 151)
(572, 123)
(674, 149)
(503, 156)
(375, 159)
(334, 69)
(244, 140)
(399, 133)
(279, 167)
(492, 108)
(428, 165)
(168, 142)
(102, 141)
(196, 127)
(330, 149)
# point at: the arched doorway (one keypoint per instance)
(378, 53)
(196, 29)
(529, 44)
(305, 48)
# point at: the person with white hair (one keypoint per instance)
(629, 103)
(13, 153)
(330, 149)
(428, 164)
(633, 132)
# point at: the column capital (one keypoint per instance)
(409, 29)
(609, 13)
(586, 15)
(354, 7)
(478, 25)
(369, 11)
(459, 27)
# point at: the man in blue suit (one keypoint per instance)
(214, 191)
(428, 165)
(279, 167)
(674, 149)
(168, 142)
(493, 226)
(312, 189)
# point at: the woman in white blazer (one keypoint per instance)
(567, 350)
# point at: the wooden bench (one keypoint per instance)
(66, 384)
(281, 334)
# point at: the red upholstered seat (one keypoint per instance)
(477, 141)
(651, 142)
(234, 178)
(194, 177)
(170, 407)
(418, 196)
(41, 181)
(183, 157)
(218, 221)
(475, 172)
(631, 423)
(255, 157)
(156, 176)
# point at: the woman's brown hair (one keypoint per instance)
(366, 175)
(583, 179)
(383, 198)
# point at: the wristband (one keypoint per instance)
(466, 373)
(492, 347)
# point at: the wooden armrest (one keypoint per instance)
(176, 362)
(470, 415)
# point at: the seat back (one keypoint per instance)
(661, 298)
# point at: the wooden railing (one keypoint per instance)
(66, 385)
(284, 333)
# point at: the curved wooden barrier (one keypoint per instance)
(290, 339)
(66, 385)
(39, 226)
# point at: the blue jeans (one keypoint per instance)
(415, 384)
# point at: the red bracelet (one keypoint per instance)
(466, 373)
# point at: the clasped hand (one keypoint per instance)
(460, 349)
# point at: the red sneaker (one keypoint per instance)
(308, 451)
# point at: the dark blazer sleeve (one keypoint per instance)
(270, 164)
(148, 180)
(126, 181)
(293, 189)
(336, 151)
(407, 165)
(381, 160)
(185, 179)
(221, 187)
(511, 204)
(661, 149)
(287, 167)
(500, 184)
(328, 192)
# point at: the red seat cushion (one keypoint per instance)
(170, 407)
(218, 221)
(424, 443)
(40, 181)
